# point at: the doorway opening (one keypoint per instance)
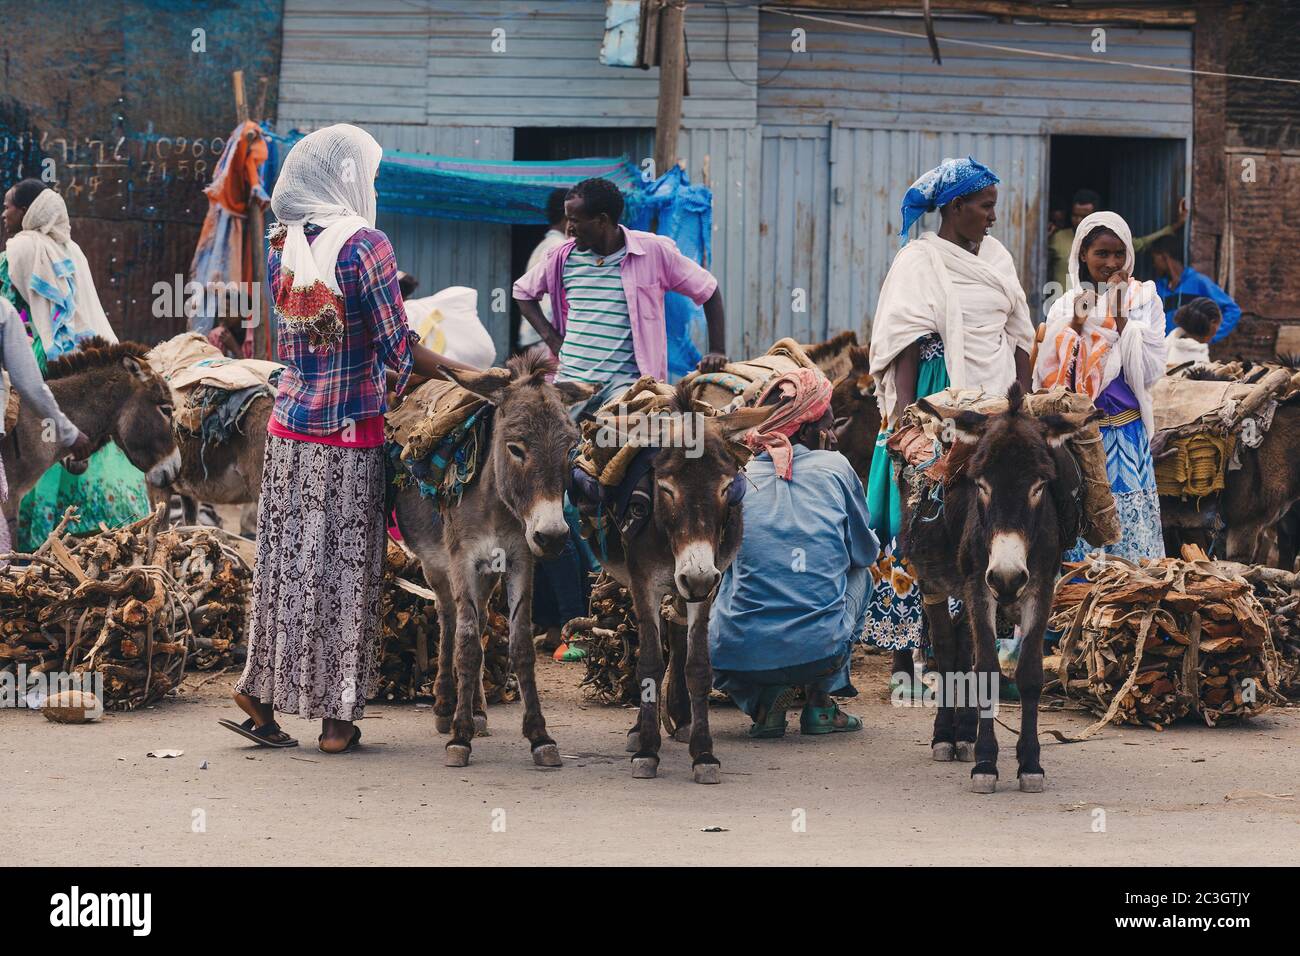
(1140, 178)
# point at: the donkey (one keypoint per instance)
(857, 414)
(229, 473)
(110, 392)
(1009, 511)
(512, 512)
(692, 536)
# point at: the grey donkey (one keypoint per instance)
(510, 514)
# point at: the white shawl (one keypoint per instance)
(50, 271)
(1141, 349)
(918, 298)
(328, 179)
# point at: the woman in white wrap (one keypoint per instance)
(46, 278)
(951, 312)
(314, 627)
(1105, 337)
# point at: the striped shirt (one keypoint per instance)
(597, 344)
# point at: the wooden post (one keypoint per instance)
(241, 104)
(672, 81)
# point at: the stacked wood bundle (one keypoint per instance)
(608, 633)
(1278, 592)
(408, 650)
(1149, 645)
(136, 605)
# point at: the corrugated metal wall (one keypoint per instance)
(890, 82)
(849, 124)
(548, 73)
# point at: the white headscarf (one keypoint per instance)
(1139, 351)
(328, 180)
(50, 271)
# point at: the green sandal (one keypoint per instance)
(821, 720)
(773, 702)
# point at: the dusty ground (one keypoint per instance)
(89, 793)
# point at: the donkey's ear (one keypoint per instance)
(571, 393)
(734, 424)
(485, 384)
(141, 370)
(1058, 429)
(956, 425)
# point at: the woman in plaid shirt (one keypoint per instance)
(314, 629)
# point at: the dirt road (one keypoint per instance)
(89, 795)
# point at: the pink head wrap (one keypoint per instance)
(805, 396)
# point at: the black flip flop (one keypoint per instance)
(268, 735)
(352, 744)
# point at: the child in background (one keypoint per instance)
(1195, 324)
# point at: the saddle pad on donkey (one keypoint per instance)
(1183, 404)
(1100, 520)
(741, 382)
(607, 460)
(437, 436)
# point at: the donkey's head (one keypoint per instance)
(696, 492)
(531, 439)
(1010, 466)
(135, 405)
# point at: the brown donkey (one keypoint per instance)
(1007, 514)
(512, 512)
(111, 394)
(691, 537)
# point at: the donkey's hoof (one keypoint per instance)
(633, 742)
(707, 772)
(983, 782)
(966, 751)
(942, 751)
(547, 755)
(1031, 783)
(480, 726)
(457, 755)
(442, 724)
(682, 734)
(645, 768)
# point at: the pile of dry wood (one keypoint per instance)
(138, 605)
(608, 634)
(408, 660)
(1278, 592)
(1149, 645)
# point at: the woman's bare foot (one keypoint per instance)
(336, 735)
(261, 713)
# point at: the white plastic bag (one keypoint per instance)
(448, 323)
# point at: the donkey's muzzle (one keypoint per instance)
(695, 574)
(548, 544)
(1007, 585)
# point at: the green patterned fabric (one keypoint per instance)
(882, 491)
(111, 491)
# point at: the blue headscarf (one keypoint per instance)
(951, 179)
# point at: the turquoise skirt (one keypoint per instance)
(895, 615)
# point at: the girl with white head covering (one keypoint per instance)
(951, 312)
(1105, 337)
(314, 628)
(45, 277)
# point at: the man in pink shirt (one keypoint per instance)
(607, 286)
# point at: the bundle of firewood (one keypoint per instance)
(1278, 592)
(608, 633)
(1151, 644)
(137, 605)
(408, 649)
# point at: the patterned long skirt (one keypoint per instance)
(1132, 476)
(313, 637)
